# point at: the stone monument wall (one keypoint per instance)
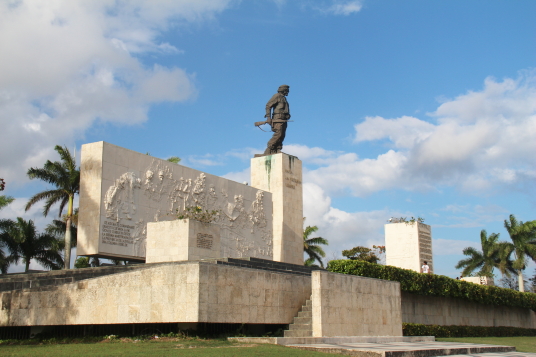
(122, 190)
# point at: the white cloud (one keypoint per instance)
(16, 209)
(343, 230)
(404, 132)
(315, 155)
(345, 7)
(452, 247)
(239, 176)
(66, 64)
(467, 216)
(336, 7)
(481, 141)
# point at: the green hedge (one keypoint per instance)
(465, 331)
(435, 285)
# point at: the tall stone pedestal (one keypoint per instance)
(281, 174)
(408, 245)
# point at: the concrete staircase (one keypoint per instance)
(303, 323)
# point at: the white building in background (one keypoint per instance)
(408, 245)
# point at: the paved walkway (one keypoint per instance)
(498, 354)
(417, 349)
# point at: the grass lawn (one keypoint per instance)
(522, 344)
(162, 347)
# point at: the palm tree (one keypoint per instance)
(523, 236)
(22, 240)
(494, 254)
(58, 227)
(5, 260)
(4, 200)
(311, 246)
(65, 176)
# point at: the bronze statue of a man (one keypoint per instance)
(277, 115)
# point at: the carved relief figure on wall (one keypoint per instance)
(119, 200)
(162, 197)
(257, 216)
(139, 235)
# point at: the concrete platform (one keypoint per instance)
(342, 340)
(409, 349)
(498, 354)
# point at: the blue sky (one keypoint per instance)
(400, 108)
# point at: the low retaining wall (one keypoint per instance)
(168, 292)
(349, 305)
(435, 310)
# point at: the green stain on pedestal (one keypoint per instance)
(268, 167)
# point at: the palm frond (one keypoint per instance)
(51, 196)
(316, 241)
(309, 230)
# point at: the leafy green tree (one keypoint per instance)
(24, 242)
(65, 177)
(87, 262)
(311, 247)
(82, 262)
(361, 253)
(492, 256)
(523, 246)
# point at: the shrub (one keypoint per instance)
(435, 285)
(465, 331)
(198, 214)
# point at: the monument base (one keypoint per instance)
(242, 291)
(182, 239)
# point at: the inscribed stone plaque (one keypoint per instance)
(204, 240)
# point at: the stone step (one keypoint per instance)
(303, 320)
(298, 333)
(293, 327)
(305, 314)
(302, 325)
(266, 265)
(404, 349)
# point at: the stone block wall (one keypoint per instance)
(348, 305)
(182, 239)
(434, 310)
(167, 292)
(238, 295)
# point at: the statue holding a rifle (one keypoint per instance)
(277, 116)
